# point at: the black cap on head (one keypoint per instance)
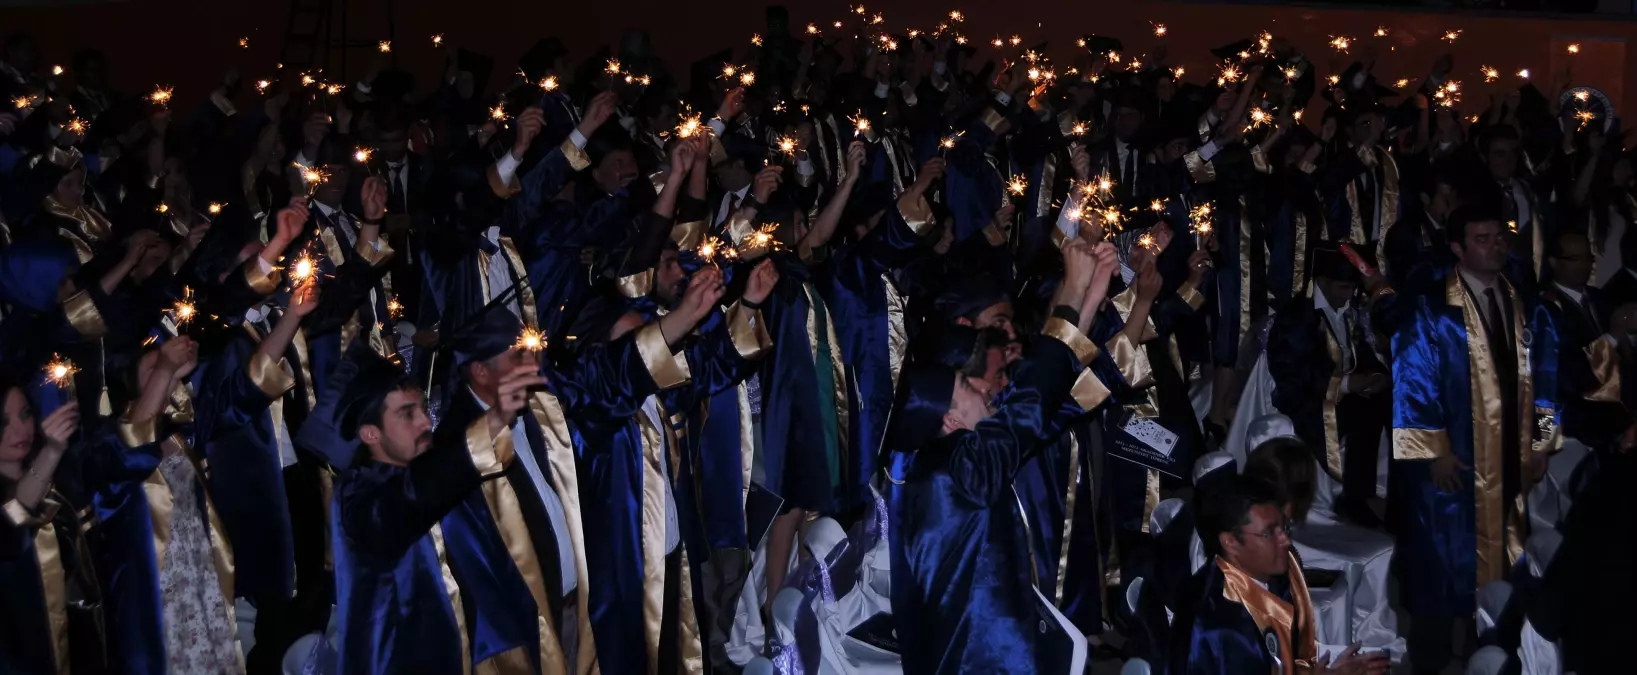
(479, 65)
(967, 297)
(359, 384)
(541, 57)
(1330, 263)
(494, 330)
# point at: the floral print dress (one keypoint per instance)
(199, 638)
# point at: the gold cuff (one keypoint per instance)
(1191, 295)
(273, 378)
(993, 119)
(263, 283)
(636, 285)
(1605, 363)
(490, 455)
(1067, 333)
(995, 237)
(376, 257)
(577, 159)
(20, 516)
(1059, 238)
(687, 236)
(1201, 170)
(718, 154)
(668, 370)
(83, 315)
(1420, 443)
(136, 434)
(1089, 392)
(502, 190)
(749, 332)
(1131, 360)
(916, 213)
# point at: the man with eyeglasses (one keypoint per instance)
(1248, 610)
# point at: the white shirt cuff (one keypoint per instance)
(262, 266)
(301, 160)
(804, 167)
(362, 87)
(507, 165)
(579, 140)
(1003, 98)
(881, 90)
(940, 67)
(1209, 150)
(718, 127)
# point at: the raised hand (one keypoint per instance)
(178, 356)
(682, 157)
(291, 219)
(529, 124)
(930, 173)
(60, 426)
(1079, 265)
(704, 291)
(513, 396)
(375, 199)
(767, 180)
(762, 280)
(1081, 161)
(304, 299)
(1108, 267)
(855, 158)
(598, 112)
(1147, 282)
(732, 104)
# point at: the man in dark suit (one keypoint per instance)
(1622, 288)
(1119, 157)
(1330, 381)
(1588, 362)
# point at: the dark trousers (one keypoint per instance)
(1429, 643)
(670, 627)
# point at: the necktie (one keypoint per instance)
(1130, 166)
(733, 205)
(1500, 334)
(395, 190)
(1591, 314)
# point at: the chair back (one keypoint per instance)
(1486, 661)
(1135, 667)
(1492, 599)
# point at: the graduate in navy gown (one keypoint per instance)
(1248, 610)
(963, 590)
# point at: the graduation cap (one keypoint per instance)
(924, 394)
(392, 85)
(479, 65)
(540, 58)
(361, 380)
(605, 140)
(955, 346)
(1329, 262)
(968, 296)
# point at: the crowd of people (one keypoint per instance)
(863, 349)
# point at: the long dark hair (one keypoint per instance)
(8, 382)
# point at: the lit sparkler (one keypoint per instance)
(1015, 41)
(312, 177)
(1582, 95)
(747, 78)
(1080, 129)
(1259, 117)
(548, 83)
(162, 209)
(690, 125)
(1523, 74)
(812, 29)
(76, 125)
(244, 43)
(1341, 43)
(1290, 73)
(861, 124)
(498, 113)
(787, 146)
(1512, 225)
(437, 40)
(1230, 73)
(307, 80)
(1381, 31)
(1147, 241)
(763, 238)
(361, 154)
(60, 372)
(56, 70)
(1574, 48)
(384, 46)
(161, 95)
(1017, 186)
(1157, 206)
(1401, 83)
(1178, 71)
(1491, 74)
(395, 309)
(214, 208)
(1585, 117)
(303, 270)
(262, 85)
(1160, 30)
(956, 16)
(183, 311)
(756, 39)
(531, 340)
(1333, 80)
(612, 67)
(1451, 36)
(332, 89)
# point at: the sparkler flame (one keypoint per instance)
(361, 155)
(1160, 30)
(747, 78)
(1401, 83)
(395, 309)
(244, 43)
(1259, 117)
(756, 39)
(333, 89)
(1574, 48)
(1178, 71)
(262, 85)
(498, 113)
(303, 269)
(787, 145)
(1491, 74)
(1015, 40)
(548, 83)
(1341, 43)
(1451, 36)
(1333, 80)
(162, 208)
(215, 208)
(437, 40)
(1585, 117)
(161, 95)
(23, 102)
(1523, 74)
(613, 67)
(1080, 129)
(812, 29)
(1582, 95)
(689, 127)
(1157, 205)
(384, 46)
(1381, 31)
(76, 125)
(183, 310)
(307, 80)
(531, 340)
(60, 372)
(1017, 186)
(56, 70)
(956, 16)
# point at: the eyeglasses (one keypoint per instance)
(1286, 528)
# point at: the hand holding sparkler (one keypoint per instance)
(733, 104)
(1081, 161)
(1198, 262)
(60, 373)
(704, 291)
(600, 110)
(374, 198)
(762, 280)
(529, 124)
(931, 172)
(304, 300)
(177, 358)
(1108, 267)
(512, 396)
(766, 181)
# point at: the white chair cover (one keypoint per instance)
(1135, 667)
(1549, 500)
(759, 666)
(1540, 549)
(1492, 599)
(748, 637)
(1255, 402)
(1133, 594)
(1539, 655)
(300, 652)
(1212, 461)
(1164, 512)
(1486, 661)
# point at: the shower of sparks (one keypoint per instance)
(763, 238)
(56, 70)
(22, 102)
(747, 78)
(384, 46)
(948, 143)
(1333, 80)
(1582, 95)
(1523, 74)
(244, 43)
(60, 371)
(163, 208)
(787, 146)
(1200, 218)
(215, 208)
(361, 155)
(877, 20)
(1401, 83)
(161, 95)
(729, 70)
(1034, 73)
(1381, 31)
(1230, 73)
(498, 113)
(956, 16)
(437, 40)
(183, 310)
(548, 83)
(1015, 41)
(1341, 43)
(756, 39)
(1178, 71)
(312, 177)
(531, 340)
(812, 29)
(1585, 117)
(861, 124)
(998, 43)
(332, 89)
(1259, 117)
(1105, 185)
(1017, 186)
(1080, 129)
(76, 125)
(1574, 48)
(303, 269)
(1157, 206)
(1160, 30)
(1290, 73)
(1297, 115)
(1512, 225)
(960, 39)
(690, 125)
(1147, 241)
(613, 67)
(262, 85)
(395, 309)
(1451, 36)
(1491, 74)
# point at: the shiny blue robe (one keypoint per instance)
(805, 403)
(962, 593)
(1455, 542)
(352, 271)
(612, 458)
(870, 323)
(44, 545)
(403, 533)
(1216, 635)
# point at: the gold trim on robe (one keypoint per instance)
(83, 315)
(525, 292)
(897, 336)
(1202, 171)
(1332, 395)
(1605, 363)
(451, 589)
(687, 236)
(668, 370)
(507, 514)
(1084, 349)
(559, 453)
(1190, 295)
(501, 190)
(262, 282)
(54, 586)
(1291, 623)
(1089, 391)
(490, 454)
(577, 159)
(916, 213)
(653, 539)
(992, 118)
(748, 331)
(636, 285)
(1068, 509)
(1420, 443)
(272, 377)
(1259, 160)
(1132, 361)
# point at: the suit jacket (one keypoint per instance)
(1621, 289)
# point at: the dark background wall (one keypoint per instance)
(186, 43)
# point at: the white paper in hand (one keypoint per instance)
(1151, 434)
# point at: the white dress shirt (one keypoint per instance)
(281, 429)
(548, 496)
(1478, 288)
(1338, 322)
(500, 272)
(725, 209)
